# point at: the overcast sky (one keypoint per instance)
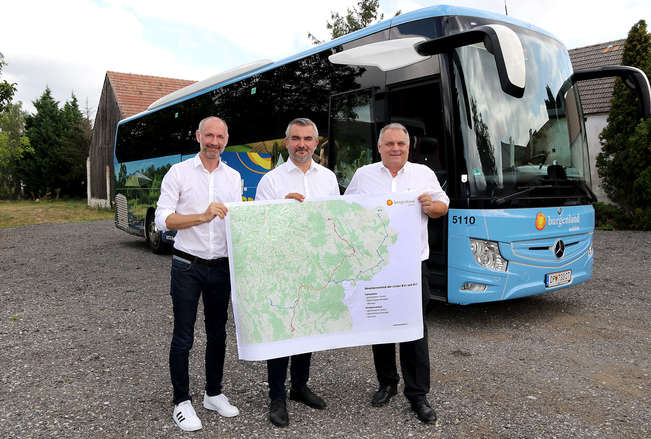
(69, 45)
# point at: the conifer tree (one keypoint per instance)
(42, 167)
(624, 163)
(59, 139)
(74, 149)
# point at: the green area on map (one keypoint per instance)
(291, 262)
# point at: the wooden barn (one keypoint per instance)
(123, 95)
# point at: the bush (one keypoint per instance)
(642, 219)
(611, 217)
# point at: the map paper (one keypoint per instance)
(325, 273)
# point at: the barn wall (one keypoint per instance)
(101, 146)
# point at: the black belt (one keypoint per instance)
(199, 260)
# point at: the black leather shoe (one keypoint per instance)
(383, 395)
(278, 413)
(307, 397)
(424, 412)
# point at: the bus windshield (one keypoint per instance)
(529, 151)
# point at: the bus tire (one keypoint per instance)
(154, 237)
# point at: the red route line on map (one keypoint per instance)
(332, 275)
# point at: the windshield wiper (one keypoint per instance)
(503, 200)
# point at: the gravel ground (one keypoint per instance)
(85, 324)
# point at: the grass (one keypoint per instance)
(22, 213)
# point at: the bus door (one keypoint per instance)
(417, 105)
(351, 140)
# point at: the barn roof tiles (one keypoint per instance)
(134, 93)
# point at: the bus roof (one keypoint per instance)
(241, 72)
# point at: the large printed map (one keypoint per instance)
(317, 275)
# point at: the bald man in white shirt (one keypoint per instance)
(192, 202)
(395, 174)
(298, 178)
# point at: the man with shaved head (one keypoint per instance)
(192, 202)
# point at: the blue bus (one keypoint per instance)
(491, 105)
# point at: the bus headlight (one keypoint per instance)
(487, 254)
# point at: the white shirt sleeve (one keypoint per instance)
(435, 190)
(169, 197)
(265, 191)
(353, 186)
(334, 186)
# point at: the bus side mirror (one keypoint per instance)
(634, 79)
(500, 41)
(385, 55)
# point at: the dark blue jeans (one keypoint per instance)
(189, 282)
(414, 358)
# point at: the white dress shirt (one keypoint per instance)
(318, 181)
(188, 188)
(412, 177)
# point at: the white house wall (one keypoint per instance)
(594, 124)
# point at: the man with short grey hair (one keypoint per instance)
(395, 174)
(298, 178)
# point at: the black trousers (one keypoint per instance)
(189, 282)
(277, 374)
(414, 358)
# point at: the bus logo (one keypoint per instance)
(541, 221)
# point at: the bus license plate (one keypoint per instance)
(558, 278)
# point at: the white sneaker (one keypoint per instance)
(220, 404)
(185, 416)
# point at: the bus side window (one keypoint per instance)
(350, 143)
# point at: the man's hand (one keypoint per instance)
(177, 221)
(432, 209)
(295, 196)
(215, 209)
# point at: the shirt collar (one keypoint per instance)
(196, 162)
(291, 167)
(401, 171)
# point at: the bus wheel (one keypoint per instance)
(153, 236)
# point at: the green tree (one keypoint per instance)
(7, 89)
(14, 144)
(74, 149)
(624, 163)
(640, 146)
(360, 16)
(41, 168)
(59, 138)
